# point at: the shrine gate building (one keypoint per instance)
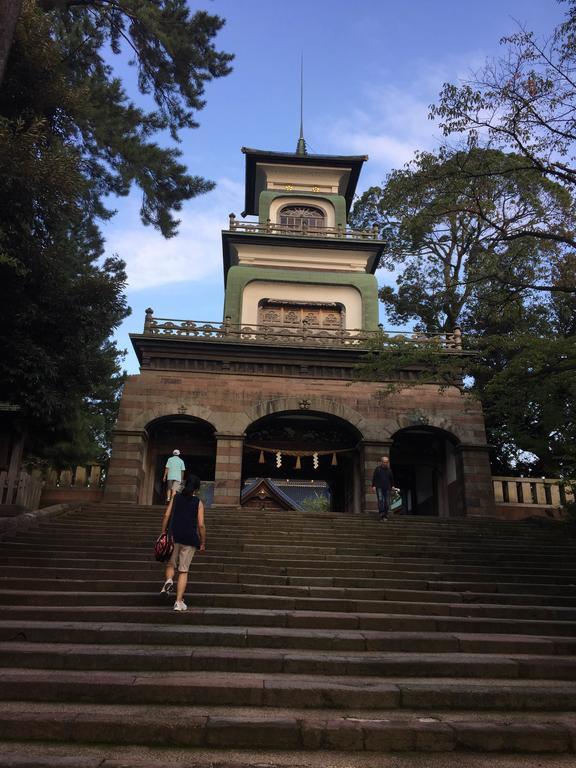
(271, 390)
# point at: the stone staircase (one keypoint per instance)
(304, 633)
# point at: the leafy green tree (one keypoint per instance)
(447, 220)
(70, 137)
(524, 102)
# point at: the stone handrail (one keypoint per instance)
(88, 476)
(532, 490)
(296, 335)
(340, 232)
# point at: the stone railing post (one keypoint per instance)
(457, 337)
(148, 320)
(475, 478)
(228, 474)
(125, 471)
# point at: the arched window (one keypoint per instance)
(301, 217)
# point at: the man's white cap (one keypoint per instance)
(176, 452)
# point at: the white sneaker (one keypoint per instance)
(168, 587)
(180, 605)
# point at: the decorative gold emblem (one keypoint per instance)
(315, 189)
(288, 187)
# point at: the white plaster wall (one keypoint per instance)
(325, 259)
(323, 205)
(331, 181)
(347, 295)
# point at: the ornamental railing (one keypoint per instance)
(296, 335)
(302, 229)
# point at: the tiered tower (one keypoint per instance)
(277, 375)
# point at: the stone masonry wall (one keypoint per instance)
(230, 403)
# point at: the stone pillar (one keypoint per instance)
(372, 452)
(228, 475)
(475, 476)
(126, 472)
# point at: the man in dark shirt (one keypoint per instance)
(382, 484)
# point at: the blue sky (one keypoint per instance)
(371, 70)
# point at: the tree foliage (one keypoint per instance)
(524, 101)
(69, 138)
(448, 219)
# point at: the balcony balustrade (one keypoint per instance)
(296, 335)
(302, 229)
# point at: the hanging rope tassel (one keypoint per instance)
(261, 460)
(334, 461)
(298, 465)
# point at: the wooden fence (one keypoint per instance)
(20, 489)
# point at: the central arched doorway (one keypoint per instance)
(294, 436)
(426, 468)
(195, 440)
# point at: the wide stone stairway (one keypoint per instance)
(304, 633)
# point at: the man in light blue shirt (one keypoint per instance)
(173, 474)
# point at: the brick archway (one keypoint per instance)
(291, 434)
(145, 417)
(324, 405)
(196, 441)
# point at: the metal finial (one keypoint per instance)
(301, 146)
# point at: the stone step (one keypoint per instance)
(290, 567)
(287, 638)
(200, 570)
(195, 727)
(261, 582)
(381, 532)
(256, 616)
(304, 632)
(489, 554)
(119, 657)
(231, 583)
(230, 597)
(285, 690)
(445, 564)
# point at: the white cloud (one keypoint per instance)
(391, 125)
(193, 255)
(393, 122)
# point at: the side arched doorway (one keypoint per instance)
(195, 440)
(295, 436)
(426, 468)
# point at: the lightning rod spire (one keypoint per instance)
(301, 146)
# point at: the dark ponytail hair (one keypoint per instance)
(192, 484)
